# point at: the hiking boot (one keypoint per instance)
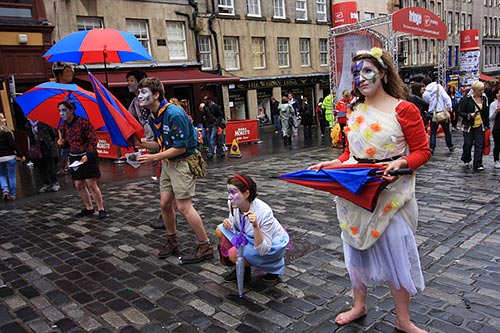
(202, 252)
(231, 276)
(169, 248)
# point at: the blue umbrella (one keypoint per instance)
(40, 103)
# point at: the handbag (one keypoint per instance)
(35, 151)
(487, 142)
(441, 117)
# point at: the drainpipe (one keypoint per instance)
(214, 33)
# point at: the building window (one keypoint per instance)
(450, 56)
(259, 52)
(431, 6)
(323, 52)
(253, 7)
(457, 52)
(456, 24)
(139, 28)
(414, 52)
(404, 46)
(176, 41)
(305, 52)
(301, 9)
(462, 22)
(432, 51)
(469, 21)
(449, 22)
(283, 53)
(226, 7)
(321, 10)
(231, 53)
(423, 52)
(279, 9)
(205, 52)
(369, 16)
(89, 23)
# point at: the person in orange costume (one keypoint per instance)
(341, 112)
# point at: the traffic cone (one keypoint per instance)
(235, 149)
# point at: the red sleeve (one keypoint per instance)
(413, 129)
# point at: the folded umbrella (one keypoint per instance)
(120, 124)
(358, 183)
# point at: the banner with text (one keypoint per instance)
(106, 149)
(243, 130)
(420, 22)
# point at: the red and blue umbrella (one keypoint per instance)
(120, 124)
(358, 183)
(98, 46)
(40, 103)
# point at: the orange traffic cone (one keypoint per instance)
(235, 149)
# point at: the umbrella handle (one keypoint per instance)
(399, 172)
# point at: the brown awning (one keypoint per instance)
(167, 76)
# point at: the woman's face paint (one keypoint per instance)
(366, 76)
(63, 112)
(145, 97)
(234, 194)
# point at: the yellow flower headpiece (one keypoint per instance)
(375, 52)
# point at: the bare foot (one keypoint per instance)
(351, 315)
(409, 328)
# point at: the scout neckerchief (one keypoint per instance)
(158, 121)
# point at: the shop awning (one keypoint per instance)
(484, 77)
(167, 76)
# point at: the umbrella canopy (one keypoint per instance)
(120, 124)
(97, 46)
(40, 103)
(358, 183)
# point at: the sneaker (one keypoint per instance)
(44, 189)
(55, 187)
(102, 214)
(231, 276)
(497, 164)
(467, 165)
(85, 212)
(479, 168)
(157, 224)
(432, 151)
(170, 248)
(6, 196)
(451, 149)
(270, 277)
(202, 252)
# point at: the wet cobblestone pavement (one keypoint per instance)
(59, 273)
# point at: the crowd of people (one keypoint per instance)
(381, 121)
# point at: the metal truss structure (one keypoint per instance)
(390, 43)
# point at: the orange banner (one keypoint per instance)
(242, 130)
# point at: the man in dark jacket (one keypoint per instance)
(213, 118)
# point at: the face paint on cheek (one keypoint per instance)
(356, 70)
(64, 113)
(145, 97)
(372, 76)
(234, 195)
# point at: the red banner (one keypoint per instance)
(243, 130)
(345, 13)
(420, 22)
(106, 149)
(469, 40)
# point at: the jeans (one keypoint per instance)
(277, 122)
(447, 134)
(475, 137)
(8, 177)
(214, 141)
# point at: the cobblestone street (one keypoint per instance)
(59, 273)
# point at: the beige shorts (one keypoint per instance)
(177, 178)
